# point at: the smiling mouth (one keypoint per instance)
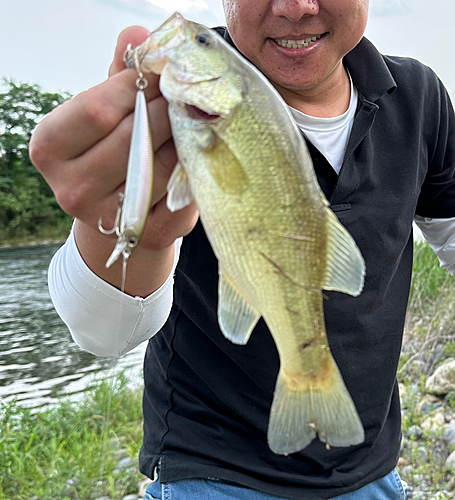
(298, 44)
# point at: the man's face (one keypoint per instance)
(324, 31)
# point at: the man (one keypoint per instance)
(380, 131)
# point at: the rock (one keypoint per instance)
(406, 472)
(428, 404)
(449, 434)
(443, 379)
(402, 462)
(404, 444)
(452, 484)
(439, 454)
(124, 463)
(102, 498)
(130, 497)
(143, 486)
(120, 454)
(433, 423)
(414, 432)
(450, 462)
(417, 478)
(421, 455)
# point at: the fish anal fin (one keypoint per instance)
(306, 408)
(236, 316)
(345, 270)
(179, 190)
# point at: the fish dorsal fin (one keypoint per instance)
(179, 190)
(345, 271)
(236, 317)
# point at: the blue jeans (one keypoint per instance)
(389, 487)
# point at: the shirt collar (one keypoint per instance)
(366, 65)
(368, 71)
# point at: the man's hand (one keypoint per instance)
(82, 147)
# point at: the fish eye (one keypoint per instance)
(204, 39)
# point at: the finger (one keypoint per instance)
(165, 161)
(134, 35)
(164, 226)
(70, 130)
(92, 200)
(102, 169)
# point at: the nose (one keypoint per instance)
(294, 10)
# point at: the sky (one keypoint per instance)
(67, 45)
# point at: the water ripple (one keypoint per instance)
(39, 362)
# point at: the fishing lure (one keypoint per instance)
(134, 203)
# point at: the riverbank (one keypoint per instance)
(88, 450)
(33, 243)
(84, 450)
(47, 236)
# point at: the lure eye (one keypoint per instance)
(132, 241)
(204, 39)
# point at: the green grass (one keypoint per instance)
(428, 279)
(430, 321)
(68, 452)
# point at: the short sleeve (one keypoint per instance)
(437, 195)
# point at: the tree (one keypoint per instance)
(27, 204)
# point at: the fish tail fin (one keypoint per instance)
(305, 407)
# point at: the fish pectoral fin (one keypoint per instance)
(345, 271)
(304, 409)
(236, 316)
(179, 190)
(225, 168)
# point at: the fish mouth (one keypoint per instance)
(292, 43)
(199, 114)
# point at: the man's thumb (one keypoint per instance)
(134, 35)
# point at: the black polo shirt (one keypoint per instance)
(207, 401)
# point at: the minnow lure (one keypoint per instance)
(134, 204)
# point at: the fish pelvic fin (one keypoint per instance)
(308, 406)
(236, 316)
(179, 190)
(345, 270)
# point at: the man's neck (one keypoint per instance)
(330, 99)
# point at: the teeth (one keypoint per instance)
(298, 44)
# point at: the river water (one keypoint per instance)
(39, 362)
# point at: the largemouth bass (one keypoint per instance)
(243, 159)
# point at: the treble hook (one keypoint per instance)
(116, 228)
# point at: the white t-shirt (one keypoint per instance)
(329, 135)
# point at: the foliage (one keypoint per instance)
(27, 204)
(69, 451)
